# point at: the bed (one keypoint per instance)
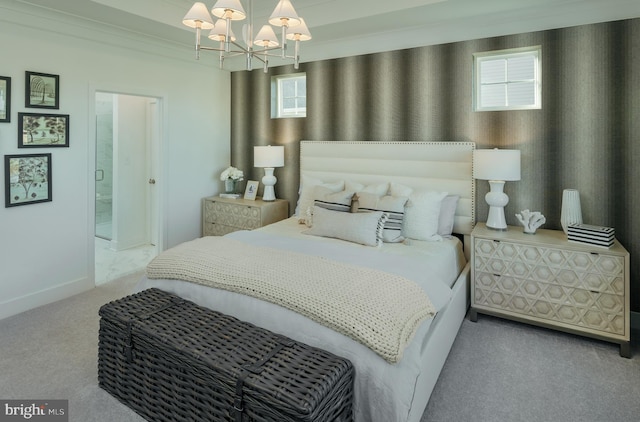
(388, 387)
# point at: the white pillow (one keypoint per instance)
(396, 189)
(392, 206)
(363, 228)
(305, 200)
(422, 214)
(447, 215)
(379, 189)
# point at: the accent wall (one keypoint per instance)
(585, 137)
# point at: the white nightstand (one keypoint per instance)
(223, 215)
(545, 280)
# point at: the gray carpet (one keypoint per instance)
(497, 371)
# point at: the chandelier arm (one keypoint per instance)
(198, 42)
(265, 54)
(233, 53)
(241, 47)
(284, 41)
(268, 49)
(256, 55)
(202, 47)
(227, 36)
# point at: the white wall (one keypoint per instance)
(46, 249)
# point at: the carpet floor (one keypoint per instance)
(497, 370)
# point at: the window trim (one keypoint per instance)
(277, 110)
(478, 58)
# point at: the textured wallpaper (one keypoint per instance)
(585, 137)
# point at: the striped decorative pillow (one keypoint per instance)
(329, 200)
(392, 206)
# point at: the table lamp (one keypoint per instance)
(496, 166)
(268, 157)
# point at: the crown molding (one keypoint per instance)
(36, 18)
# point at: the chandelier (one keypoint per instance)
(264, 45)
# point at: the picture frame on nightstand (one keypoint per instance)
(251, 190)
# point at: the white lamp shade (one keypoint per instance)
(198, 16)
(219, 31)
(269, 156)
(284, 14)
(266, 37)
(300, 32)
(231, 9)
(496, 164)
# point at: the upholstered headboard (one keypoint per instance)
(440, 166)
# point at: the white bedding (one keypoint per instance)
(383, 392)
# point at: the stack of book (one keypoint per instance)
(593, 235)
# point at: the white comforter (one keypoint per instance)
(383, 392)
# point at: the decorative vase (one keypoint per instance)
(571, 211)
(230, 186)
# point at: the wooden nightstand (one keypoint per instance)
(545, 280)
(223, 215)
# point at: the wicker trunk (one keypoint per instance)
(172, 360)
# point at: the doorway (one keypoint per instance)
(126, 197)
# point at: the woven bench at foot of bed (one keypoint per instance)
(172, 360)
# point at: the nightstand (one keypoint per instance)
(543, 279)
(224, 215)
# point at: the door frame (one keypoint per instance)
(160, 165)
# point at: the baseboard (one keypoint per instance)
(635, 321)
(44, 297)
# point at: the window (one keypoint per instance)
(289, 95)
(507, 79)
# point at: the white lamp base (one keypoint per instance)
(269, 181)
(497, 199)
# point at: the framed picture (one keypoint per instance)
(5, 99)
(37, 130)
(27, 179)
(42, 90)
(251, 190)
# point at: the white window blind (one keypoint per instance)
(507, 79)
(289, 95)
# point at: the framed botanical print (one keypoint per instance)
(42, 90)
(37, 130)
(27, 179)
(5, 99)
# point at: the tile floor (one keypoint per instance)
(111, 265)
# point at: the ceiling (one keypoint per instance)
(343, 28)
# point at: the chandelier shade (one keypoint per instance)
(293, 27)
(299, 32)
(267, 37)
(198, 17)
(229, 9)
(284, 15)
(219, 31)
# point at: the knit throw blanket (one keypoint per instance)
(378, 309)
